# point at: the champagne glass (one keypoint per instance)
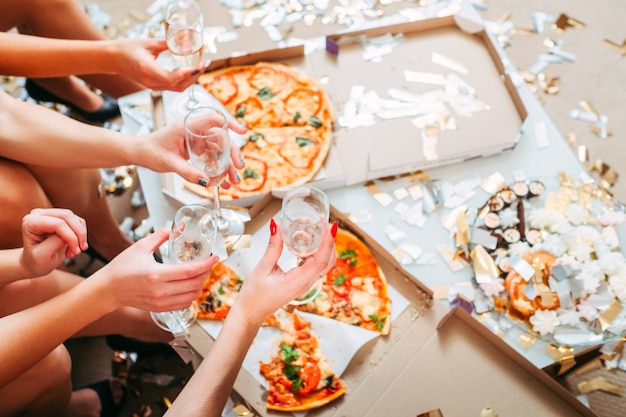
(191, 239)
(304, 216)
(208, 145)
(184, 32)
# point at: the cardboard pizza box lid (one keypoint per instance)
(395, 146)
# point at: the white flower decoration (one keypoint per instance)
(493, 288)
(576, 214)
(544, 321)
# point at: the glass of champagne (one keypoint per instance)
(208, 145)
(184, 32)
(304, 216)
(191, 239)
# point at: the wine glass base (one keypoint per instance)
(182, 104)
(231, 226)
(177, 322)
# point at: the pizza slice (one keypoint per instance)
(299, 377)
(355, 290)
(218, 293)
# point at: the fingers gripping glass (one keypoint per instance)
(208, 145)
(191, 239)
(304, 216)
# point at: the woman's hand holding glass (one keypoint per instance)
(304, 216)
(268, 287)
(166, 151)
(210, 149)
(191, 240)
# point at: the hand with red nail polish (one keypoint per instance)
(268, 281)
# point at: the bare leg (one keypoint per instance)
(45, 389)
(77, 190)
(20, 194)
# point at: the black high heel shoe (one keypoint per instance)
(107, 111)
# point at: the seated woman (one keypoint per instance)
(48, 160)
(117, 68)
(36, 379)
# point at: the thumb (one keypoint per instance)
(274, 248)
(155, 240)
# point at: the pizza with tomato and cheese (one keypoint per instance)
(355, 289)
(299, 377)
(219, 291)
(218, 294)
(289, 118)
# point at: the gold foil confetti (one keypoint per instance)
(589, 366)
(620, 48)
(565, 22)
(372, 187)
(599, 384)
(448, 256)
(608, 315)
(526, 340)
(612, 349)
(461, 237)
(485, 268)
(558, 352)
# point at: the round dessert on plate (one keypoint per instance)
(559, 268)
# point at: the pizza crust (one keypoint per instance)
(312, 404)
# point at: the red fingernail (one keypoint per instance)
(333, 229)
(272, 227)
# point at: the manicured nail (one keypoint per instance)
(195, 72)
(203, 182)
(241, 161)
(238, 177)
(272, 227)
(333, 229)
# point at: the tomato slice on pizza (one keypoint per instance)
(298, 375)
(355, 289)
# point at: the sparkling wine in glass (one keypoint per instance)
(304, 216)
(208, 145)
(191, 239)
(184, 32)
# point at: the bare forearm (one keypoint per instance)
(11, 267)
(207, 391)
(45, 326)
(22, 55)
(35, 135)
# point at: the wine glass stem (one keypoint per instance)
(192, 102)
(217, 203)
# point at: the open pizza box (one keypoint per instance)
(446, 63)
(434, 358)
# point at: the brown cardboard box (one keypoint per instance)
(393, 146)
(433, 358)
